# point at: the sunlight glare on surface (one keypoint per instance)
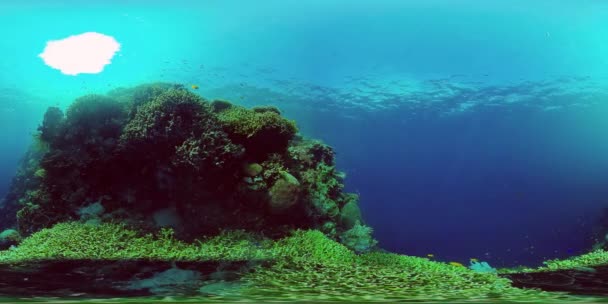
(86, 53)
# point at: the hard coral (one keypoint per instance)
(170, 118)
(350, 213)
(138, 95)
(49, 130)
(261, 133)
(308, 154)
(284, 193)
(262, 109)
(158, 152)
(252, 169)
(220, 105)
(92, 119)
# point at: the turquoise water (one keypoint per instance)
(470, 129)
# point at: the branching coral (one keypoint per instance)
(73, 240)
(324, 188)
(300, 265)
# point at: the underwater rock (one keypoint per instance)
(222, 288)
(167, 280)
(482, 267)
(252, 170)
(588, 281)
(284, 193)
(167, 217)
(8, 238)
(91, 211)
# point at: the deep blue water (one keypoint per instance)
(514, 189)
(469, 128)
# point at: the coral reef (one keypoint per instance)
(157, 155)
(305, 265)
(157, 173)
(597, 257)
(260, 131)
(27, 179)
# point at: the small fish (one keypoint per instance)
(194, 87)
(456, 264)
(474, 260)
(430, 255)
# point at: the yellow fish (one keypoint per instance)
(474, 260)
(456, 264)
(430, 255)
(194, 87)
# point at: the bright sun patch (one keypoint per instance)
(87, 53)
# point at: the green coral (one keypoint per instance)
(92, 119)
(312, 247)
(220, 105)
(299, 265)
(207, 153)
(217, 166)
(359, 238)
(324, 187)
(169, 118)
(184, 125)
(273, 167)
(141, 94)
(374, 276)
(598, 257)
(594, 258)
(261, 133)
(72, 240)
(308, 154)
(40, 173)
(329, 229)
(263, 109)
(32, 217)
(252, 169)
(23, 184)
(10, 234)
(350, 213)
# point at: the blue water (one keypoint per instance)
(470, 128)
